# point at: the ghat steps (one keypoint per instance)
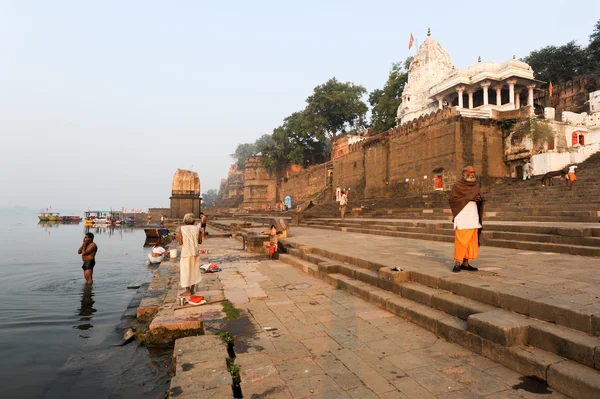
(530, 334)
(569, 238)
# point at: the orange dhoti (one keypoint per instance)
(572, 177)
(465, 244)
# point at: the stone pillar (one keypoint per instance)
(460, 90)
(485, 86)
(498, 95)
(511, 90)
(470, 93)
(530, 95)
(440, 101)
(517, 99)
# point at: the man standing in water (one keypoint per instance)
(88, 253)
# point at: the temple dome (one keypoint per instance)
(427, 68)
(186, 182)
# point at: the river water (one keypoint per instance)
(59, 338)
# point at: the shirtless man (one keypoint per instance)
(202, 223)
(88, 253)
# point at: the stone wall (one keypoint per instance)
(305, 185)
(260, 186)
(570, 96)
(407, 159)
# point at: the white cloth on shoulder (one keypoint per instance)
(467, 218)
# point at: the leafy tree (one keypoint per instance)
(385, 102)
(242, 152)
(294, 142)
(558, 64)
(334, 106)
(209, 197)
(593, 50)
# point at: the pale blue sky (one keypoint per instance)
(101, 101)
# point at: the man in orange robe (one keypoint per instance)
(466, 204)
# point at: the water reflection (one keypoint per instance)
(86, 310)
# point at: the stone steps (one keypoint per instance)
(573, 241)
(473, 315)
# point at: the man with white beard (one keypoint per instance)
(466, 204)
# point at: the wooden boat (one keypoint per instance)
(56, 217)
(155, 234)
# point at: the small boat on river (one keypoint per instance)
(56, 217)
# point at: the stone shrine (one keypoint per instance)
(185, 194)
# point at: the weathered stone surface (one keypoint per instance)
(525, 360)
(425, 316)
(399, 306)
(255, 366)
(459, 306)
(596, 324)
(501, 327)
(397, 277)
(575, 380)
(561, 310)
(455, 330)
(214, 374)
(565, 342)
(185, 322)
(272, 387)
(418, 293)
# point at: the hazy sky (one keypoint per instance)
(101, 101)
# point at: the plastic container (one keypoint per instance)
(173, 253)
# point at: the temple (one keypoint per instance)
(185, 194)
(475, 91)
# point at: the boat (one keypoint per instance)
(156, 234)
(56, 217)
(97, 217)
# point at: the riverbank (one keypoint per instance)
(297, 336)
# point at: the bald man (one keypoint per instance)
(466, 204)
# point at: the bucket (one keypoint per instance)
(173, 253)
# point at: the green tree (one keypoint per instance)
(242, 152)
(335, 106)
(294, 142)
(558, 64)
(593, 50)
(385, 102)
(209, 197)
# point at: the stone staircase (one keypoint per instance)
(573, 238)
(533, 334)
(518, 214)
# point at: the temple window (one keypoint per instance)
(581, 140)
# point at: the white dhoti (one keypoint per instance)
(189, 271)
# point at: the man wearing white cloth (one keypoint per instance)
(189, 267)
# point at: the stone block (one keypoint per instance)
(565, 342)
(272, 387)
(214, 374)
(366, 276)
(455, 330)
(479, 290)
(425, 316)
(399, 306)
(459, 306)
(596, 324)
(501, 327)
(328, 267)
(528, 361)
(518, 299)
(379, 297)
(575, 380)
(386, 273)
(184, 322)
(561, 311)
(418, 293)
(255, 366)
(430, 278)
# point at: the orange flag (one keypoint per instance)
(411, 40)
(550, 89)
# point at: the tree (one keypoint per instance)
(209, 197)
(294, 142)
(558, 64)
(334, 106)
(593, 50)
(242, 152)
(385, 102)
